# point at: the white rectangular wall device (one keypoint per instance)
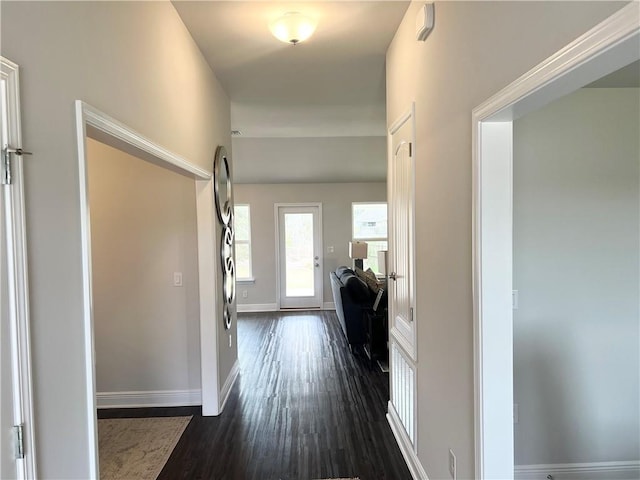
(424, 21)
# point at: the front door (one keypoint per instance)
(299, 229)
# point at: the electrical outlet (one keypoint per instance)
(177, 279)
(330, 249)
(452, 464)
(245, 294)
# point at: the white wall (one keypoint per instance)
(475, 49)
(305, 159)
(576, 253)
(143, 229)
(136, 62)
(336, 199)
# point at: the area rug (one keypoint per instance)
(137, 447)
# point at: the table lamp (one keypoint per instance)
(358, 251)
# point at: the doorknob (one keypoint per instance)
(316, 258)
(317, 264)
(393, 276)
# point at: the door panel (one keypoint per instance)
(16, 404)
(7, 460)
(402, 294)
(401, 247)
(401, 283)
(299, 251)
(298, 255)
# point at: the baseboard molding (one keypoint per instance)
(228, 384)
(410, 457)
(580, 471)
(160, 398)
(257, 307)
(273, 307)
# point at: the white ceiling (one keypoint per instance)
(331, 85)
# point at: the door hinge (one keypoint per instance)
(410, 149)
(19, 440)
(411, 314)
(5, 164)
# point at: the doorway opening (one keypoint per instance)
(91, 123)
(604, 49)
(144, 281)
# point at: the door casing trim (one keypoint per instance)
(99, 126)
(605, 48)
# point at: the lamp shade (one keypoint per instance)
(292, 27)
(358, 249)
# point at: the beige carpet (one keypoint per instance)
(137, 448)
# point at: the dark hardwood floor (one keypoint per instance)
(304, 407)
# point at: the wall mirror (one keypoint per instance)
(222, 186)
(223, 194)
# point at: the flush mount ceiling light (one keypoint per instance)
(292, 27)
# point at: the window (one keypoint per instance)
(369, 224)
(242, 224)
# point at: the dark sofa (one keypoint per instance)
(352, 298)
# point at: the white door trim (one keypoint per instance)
(17, 270)
(276, 210)
(607, 47)
(95, 124)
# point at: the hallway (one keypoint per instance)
(303, 408)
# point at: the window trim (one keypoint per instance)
(250, 278)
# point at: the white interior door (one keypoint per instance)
(7, 454)
(401, 244)
(401, 282)
(299, 229)
(17, 447)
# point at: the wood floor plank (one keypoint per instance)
(304, 407)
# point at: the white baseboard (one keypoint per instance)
(257, 307)
(580, 471)
(410, 457)
(161, 398)
(273, 307)
(228, 384)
